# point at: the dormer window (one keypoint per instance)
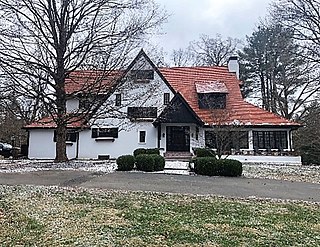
(212, 95)
(212, 101)
(142, 75)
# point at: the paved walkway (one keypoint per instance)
(137, 181)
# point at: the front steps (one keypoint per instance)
(178, 156)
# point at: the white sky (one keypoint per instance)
(190, 18)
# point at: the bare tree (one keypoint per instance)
(181, 57)
(207, 51)
(303, 17)
(225, 137)
(213, 51)
(43, 41)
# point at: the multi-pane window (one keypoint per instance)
(227, 140)
(212, 100)
(166, 98)
(104, 132)
(142, 112)
(142, 136)
(270, 140)
(118, 99)
(70, 137)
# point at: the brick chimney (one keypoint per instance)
(233, 65)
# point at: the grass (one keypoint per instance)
(42, 216)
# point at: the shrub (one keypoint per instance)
(210, 166)
(159, 162)
(310, 155)
(204, 152)
(229, 168)
(138, 151)
(125, 163)
(205, 166)
(152, 151)
(145, 162)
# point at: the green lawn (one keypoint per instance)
(39, 216)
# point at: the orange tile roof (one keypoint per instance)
(48, 122)
(184, 79)
(87, 80)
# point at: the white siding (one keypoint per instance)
(133, 94)
(126, 143)
(42, 146)
(72, 105)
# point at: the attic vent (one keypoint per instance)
(211, 95)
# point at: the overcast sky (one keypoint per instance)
(190, 18)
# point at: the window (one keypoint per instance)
(104, 132)
(227, 140)
(212, 100)
(197, 133)
(90, 101)
(270, 140)
(118, 99)
(142, 75)
(142, 136)
(142, 112)
(71, 136)
(166, 98)
(85, 103)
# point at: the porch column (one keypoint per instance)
(250, 139)
(289, 139)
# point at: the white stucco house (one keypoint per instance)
(173, 109)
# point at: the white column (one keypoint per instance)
(250, 139)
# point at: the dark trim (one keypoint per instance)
(177, 97)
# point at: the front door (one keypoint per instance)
(178, 138)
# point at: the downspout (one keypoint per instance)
(159, 135)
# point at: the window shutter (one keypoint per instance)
(94, 133)
(55, 136)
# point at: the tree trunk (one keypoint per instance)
(61, 153)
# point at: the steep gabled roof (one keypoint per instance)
(184, 79)
(178, 111)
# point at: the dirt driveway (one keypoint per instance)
(138, 181)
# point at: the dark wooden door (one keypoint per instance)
(178, 138)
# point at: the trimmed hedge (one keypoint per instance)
(152, 151)
(210, 166)
(230, 168)
(204, 152)
(125, 162)
(159, 162)
(138, 151)
(145, 162)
